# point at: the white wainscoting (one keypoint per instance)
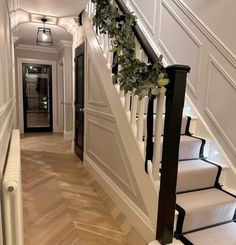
(95, 93)
(111, 151)
(185, 48)
(146, 11)
(182, 37)
(103, 146)
(6, 124)
(221, 85)
(135, 215)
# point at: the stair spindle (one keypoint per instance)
(127, 102)
(158, 133)
(109, 54)
(122, 93)
(134, 110)
(141, 106)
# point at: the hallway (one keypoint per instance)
(63, 205)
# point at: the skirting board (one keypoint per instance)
(134, 214)
(68, 135)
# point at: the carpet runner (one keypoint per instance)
(206, 212)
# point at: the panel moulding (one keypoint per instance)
(130, 186)
(90, 69)
(138, 218)
(228, 54)
(198, 43)
(212, 61)
(151, 26)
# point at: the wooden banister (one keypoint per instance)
(173, 117)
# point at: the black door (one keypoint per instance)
(37, 97)
(79, 101)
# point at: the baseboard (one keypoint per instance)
(132, 212)
(68, 135)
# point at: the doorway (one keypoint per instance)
(37, 97)
(79, 102)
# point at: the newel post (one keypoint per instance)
(175, 95)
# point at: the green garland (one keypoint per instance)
(135, 76)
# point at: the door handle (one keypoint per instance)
(81, 109)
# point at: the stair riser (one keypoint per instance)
(184, 126)
(197, 179)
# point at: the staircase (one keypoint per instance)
(206, 212)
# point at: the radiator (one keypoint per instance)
(12, 195)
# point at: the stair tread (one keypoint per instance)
(196, 174)
(220, 235)
(206, 207)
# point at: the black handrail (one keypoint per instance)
(149, 51)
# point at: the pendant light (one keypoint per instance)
(44, 35)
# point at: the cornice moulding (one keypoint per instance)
(36, 48)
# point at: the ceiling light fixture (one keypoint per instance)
(44, 35)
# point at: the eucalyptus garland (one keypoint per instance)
(140, 78)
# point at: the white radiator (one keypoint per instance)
(12, 195)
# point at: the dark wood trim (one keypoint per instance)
(174, 107)
(81, 18)
(184, 240)
(217, 184)
(79, 126)
(187, 131)
(149, 142)
(201, 151)
(149, 51)
(180, 221)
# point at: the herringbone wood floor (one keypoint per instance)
(63, 204)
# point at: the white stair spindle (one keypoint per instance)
(134, 110)
(158, 133)
(127, 102)
(141, 106)
(109, 54)
(122, 93)
(89, 9)
(105, 45)
(92, 10)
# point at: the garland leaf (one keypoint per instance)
(135, 76)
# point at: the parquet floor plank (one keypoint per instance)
(63, 204)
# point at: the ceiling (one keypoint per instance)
(59, 8)
(26, 18)
(27, 32)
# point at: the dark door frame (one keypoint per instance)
(79, 101)
(37, 129)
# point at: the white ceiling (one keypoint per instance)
(27, 34)
(59, 8)
(26, 18)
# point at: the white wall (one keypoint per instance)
(202, 35)
(65, 58)
(7, 94)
